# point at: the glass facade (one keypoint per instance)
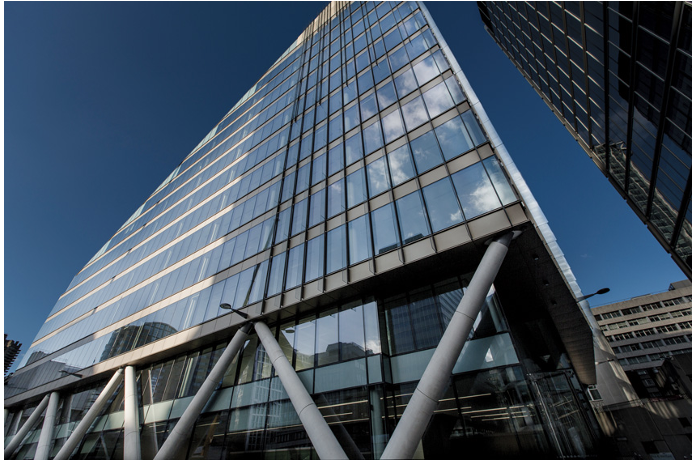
(618, 75)
(334, 201)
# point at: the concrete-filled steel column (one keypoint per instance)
(432, 385)
(131, 425)
(321, 436)
(28, 425)
(43, 448)
(181, 432)
(86, 422)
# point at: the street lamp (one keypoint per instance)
(227, 306)
(599, 292)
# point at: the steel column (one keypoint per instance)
(131, 425)
(89, 417)
(414, 421)
(43, 448)
(321, 436)
(28, 425)
(181, 432)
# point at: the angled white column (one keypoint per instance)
(28, 425)
(321, 436)
(182, 431)
(86, 422)
(414, 421)
(44, 446)
(131, 425)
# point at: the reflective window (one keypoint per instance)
(335, 159)
(336, 249)
(351, 335)
(295, 264)
(304, 343)
(473, 127)
(283, 225)
(386, 96)
(437, 100)
(384, 231)
(441, 202)
(426, 152)
(373, 137)
(453, 138)
(319, 169)
(393, 127)
(414, 113)
(315, 258)
(401, 165)
(354, 149)
(355, 183)
(299, 217)
(378, 180)
(275, 281)
(327, 333)
(412, 219)
(500, 182)
(368, 106)
(359, 240)
(303, 178)
(337, 200)
(475, 191)
(405, 84)
(317, 207)
(351, 117)
(425, 70)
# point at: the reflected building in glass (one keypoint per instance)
(618, 76)
(345, 201)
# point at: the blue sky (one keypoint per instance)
(104, 100)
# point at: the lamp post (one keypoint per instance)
(227, 306)
(599, 292)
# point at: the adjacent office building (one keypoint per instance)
(618, 76)
(342, 207)
(646, 330)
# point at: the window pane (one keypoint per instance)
(473, 127)
(425, 70)
(327, 333)
(386, 96)
(426, 152)
(373, 137)
(368, 106)
(437, 100)
(442, 205)
(351, 334)
(412, 218)
(384, 229)
(299, 217)
(378, 181)
(302, 178)
(336, 159)
(304, 344)
(453, 138)
(295, 263)
(393, 127)
(455, 91)
(401, 165)
(275, 281)
(354, 149)
(317, 207)
(372, 337)
(475, 191)
(356, 188)
(351, 118)
(283, 225)
(414, 113)
(405, 83)
(499, 180)
(359, 240)
(425, 318)
(337, 199)
(398, 322)
(315, 259)
(336, 249)
(318, 169)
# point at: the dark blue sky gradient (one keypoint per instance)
(104, 100)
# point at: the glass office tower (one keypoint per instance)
(345, 200)
(618, 76)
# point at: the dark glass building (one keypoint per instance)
(345, 202)
(618, 76)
